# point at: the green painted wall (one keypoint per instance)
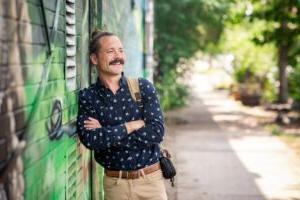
(40, 155)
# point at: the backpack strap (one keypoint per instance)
(134, 88)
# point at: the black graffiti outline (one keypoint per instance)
(54, 126)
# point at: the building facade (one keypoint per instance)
(44, 62)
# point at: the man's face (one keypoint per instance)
(110, 58)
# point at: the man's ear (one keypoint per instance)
(94, 59)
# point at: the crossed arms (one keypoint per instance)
(145, 132)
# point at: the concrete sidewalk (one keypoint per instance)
(221, 154)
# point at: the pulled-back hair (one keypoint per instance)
(95, 38)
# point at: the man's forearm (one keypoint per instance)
(131, 127)
(134, 125)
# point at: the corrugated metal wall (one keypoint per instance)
(43, 64)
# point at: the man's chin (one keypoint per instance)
(115, 72)
(116, 68)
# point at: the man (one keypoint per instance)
(125, 138)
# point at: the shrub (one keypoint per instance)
(172, 93)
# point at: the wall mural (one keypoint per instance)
(43, 64)
(12, 142)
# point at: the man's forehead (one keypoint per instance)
(112, 41)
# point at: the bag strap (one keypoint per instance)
(134, 88)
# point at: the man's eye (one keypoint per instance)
(110, 52)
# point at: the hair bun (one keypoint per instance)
(95, 33)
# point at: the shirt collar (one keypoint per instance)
(122, 82)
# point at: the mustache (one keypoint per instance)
(120, 60)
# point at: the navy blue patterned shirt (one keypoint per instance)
(114, 148)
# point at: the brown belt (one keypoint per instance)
(133, 174)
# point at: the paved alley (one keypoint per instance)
(221, 154)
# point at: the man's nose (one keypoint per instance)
(118, 54)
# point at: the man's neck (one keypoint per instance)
(111, 82)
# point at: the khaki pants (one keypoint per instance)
(146, 187)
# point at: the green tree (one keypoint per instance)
(183, 28)
(253, 63)
(283, 17)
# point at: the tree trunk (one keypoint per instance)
(282, 63)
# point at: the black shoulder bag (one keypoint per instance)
(166, 164)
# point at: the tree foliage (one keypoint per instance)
(183, 28)
(253, 63)
(283, 30)
(270, 26)
(283, 18)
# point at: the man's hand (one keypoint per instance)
(91, 123)
(134, 125)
